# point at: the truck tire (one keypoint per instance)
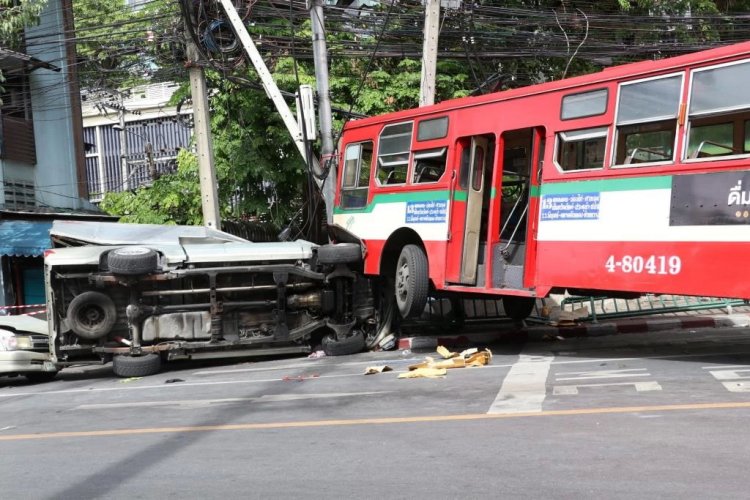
(350, 345)
(518, 308)
(91, 315)
(411, 281)
(136, 366)
(340, 253)
(132, 261)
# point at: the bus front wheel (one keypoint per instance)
(518, 308)
(411, 281)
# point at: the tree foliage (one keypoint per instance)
(15, 15)
(120, 47)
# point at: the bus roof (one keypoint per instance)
(615, 73)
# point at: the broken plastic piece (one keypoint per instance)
(445, 353)
(372, 370)
(424, 373)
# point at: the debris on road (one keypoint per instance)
(173, 380)
(317, 354)
(424, 373)
(432, 368)
(129, 379)
(372, 370)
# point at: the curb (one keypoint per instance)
(539, 333)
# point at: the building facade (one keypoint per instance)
(132, 136)
(41, 152)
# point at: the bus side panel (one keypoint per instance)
(662, 234)
(684, 268)
(435, 251)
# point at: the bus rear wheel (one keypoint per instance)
(411, 281)
(518, 308)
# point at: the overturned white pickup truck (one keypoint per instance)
(143, 294)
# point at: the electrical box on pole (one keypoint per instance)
(306, 112)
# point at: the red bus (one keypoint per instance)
(632, 180)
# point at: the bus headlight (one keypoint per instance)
(8, 341)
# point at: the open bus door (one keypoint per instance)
(522, 153)
(469, 212)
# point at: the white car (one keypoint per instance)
(24, 348)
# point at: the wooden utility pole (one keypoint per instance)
(203, 141)
(429, 52)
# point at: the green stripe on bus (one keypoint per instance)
(600, 185)
(460, 195)
(441, 194)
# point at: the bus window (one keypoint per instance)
(429, 165)
(356, 176)
(393, 153)
(711, 140)
(584, 104)
(718, 112)
(581, 149)
(436, 128)
(647, 120)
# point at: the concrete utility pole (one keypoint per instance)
(203, 141)
(123, 147)
(320, 57)
(429, 52)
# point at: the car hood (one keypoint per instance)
(24, 323)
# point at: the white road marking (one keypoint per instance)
(734, 378)
(168, 386)
(524, 387)
(203, 403)
(598, 374)
(314, 366)
(719, 367)
(571, 390)
(734, 374)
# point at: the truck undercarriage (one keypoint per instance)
(138, 305)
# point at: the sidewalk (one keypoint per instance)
(536, 333)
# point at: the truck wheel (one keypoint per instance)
(132, 261)
(412, 281)
(350, 345)
(518, 308)
(339, 253)
(136, 366)
(91, 315)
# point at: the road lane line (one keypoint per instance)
(524, 387)
(733, 405)
(203, 403)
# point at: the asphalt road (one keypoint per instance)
(630, 416)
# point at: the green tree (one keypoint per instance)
(120, 46)
(15, 15)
